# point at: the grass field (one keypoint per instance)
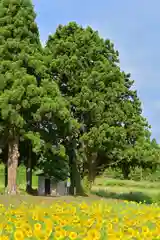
(139, 191)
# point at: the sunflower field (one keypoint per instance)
(62, 220)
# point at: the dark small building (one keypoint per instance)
(48, 186)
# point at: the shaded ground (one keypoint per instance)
(109, 197)
(18, 199)
(138, 197)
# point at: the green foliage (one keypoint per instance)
(54, 162)
(136, 174)
(31, 105)
(101, 98)
(19, 89)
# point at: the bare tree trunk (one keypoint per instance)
(6, 175)
(5, 160)
(76, 187)
(125, 171)
(92, 168)
(76, 184)
(13, 155)
(29, 173)
(72, 178)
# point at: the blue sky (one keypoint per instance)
(133, 26)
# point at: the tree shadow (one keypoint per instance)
(34, 192)
(138, 197)
(31, 192)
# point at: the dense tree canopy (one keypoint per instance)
(100, 96)
(29, 100)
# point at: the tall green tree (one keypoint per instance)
(86, 68)
(27, 96)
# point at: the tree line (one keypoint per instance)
(66, 107)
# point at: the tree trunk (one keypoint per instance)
(5, 159)
(125, 171)
(6, 175)
(13, 155)
(76, 187)
(29, 172)
(29, 177)
(72, 179)
(92, 168)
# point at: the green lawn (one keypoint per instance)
(127, 190)
(102, 181)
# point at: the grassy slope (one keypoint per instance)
(127, 189)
